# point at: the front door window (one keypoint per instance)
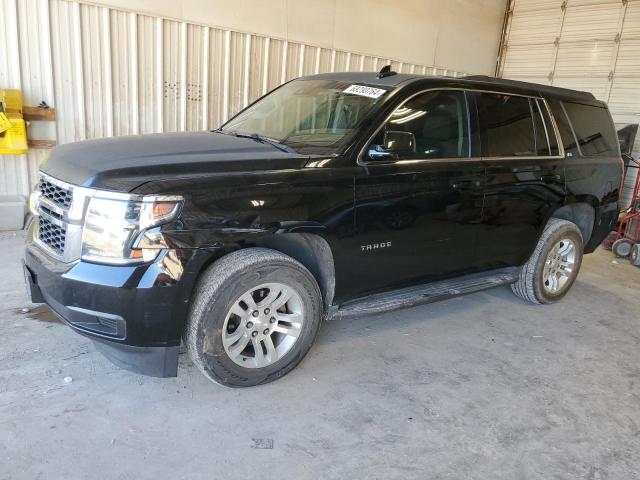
(433, 124)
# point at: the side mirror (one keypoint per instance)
(396, 143)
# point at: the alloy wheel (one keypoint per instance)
(262, 325)
(559, 266)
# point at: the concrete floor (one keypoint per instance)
(480, 387)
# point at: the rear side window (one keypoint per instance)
(566, 135)
(511, 126)
(593, 128)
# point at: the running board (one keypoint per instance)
(427, 293)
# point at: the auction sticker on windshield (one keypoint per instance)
(365, 91)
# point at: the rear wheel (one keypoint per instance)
(622, 247)
(254, 316)
(554, 264)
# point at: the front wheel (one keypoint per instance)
(554, 264)
(254, 316)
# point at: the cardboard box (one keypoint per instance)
(12, 211)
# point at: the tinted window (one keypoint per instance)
(594, 129)
(566, 135)
(506, 126)
(439, 122)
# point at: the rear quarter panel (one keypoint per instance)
(595, 181)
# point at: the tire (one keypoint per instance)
(532, 284)
(634, 257)
(621, 248)
(217, 299)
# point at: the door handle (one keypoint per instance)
(552, 178)
(466, 184)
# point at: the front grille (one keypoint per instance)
(58, 195)
(61, 208)
(52, 235)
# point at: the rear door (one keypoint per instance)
(525, 175)
(418, 215)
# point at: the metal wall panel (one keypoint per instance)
(591, 22)
(529, 62)
(68, 66)
(124, 73)
(13, 168)
(150, 74)
(25, 26)
(95, 48)
(172, 49)
(582, 59)
(631, 27)
(534, 26)
(110, 72)
(591, 45)
(528, 6)
(217, 76)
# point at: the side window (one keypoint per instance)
(433, 124)
(594, 129)
(507, 126)
(566, 134)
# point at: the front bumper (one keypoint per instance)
(134, 313)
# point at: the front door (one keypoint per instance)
(418, 212)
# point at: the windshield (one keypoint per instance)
(314, 116)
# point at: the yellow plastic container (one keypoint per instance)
(13, 131)
(5, 123)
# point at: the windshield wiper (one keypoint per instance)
(257, 137)
(262, 139)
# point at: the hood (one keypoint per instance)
(123, 163)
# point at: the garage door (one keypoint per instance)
(579, 44)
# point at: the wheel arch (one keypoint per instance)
(582, 214)
(312, 251)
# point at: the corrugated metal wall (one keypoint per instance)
(109, 72)
(591, 45)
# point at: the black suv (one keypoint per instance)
(335, 195)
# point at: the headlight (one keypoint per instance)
(114, 229)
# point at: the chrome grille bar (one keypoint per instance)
(61, 209)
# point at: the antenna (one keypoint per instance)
(385, 72)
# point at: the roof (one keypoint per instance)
(535, 87)
(470, 81)
(370, 78)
